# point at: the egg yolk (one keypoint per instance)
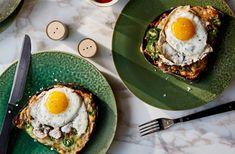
(183, 29)
(56, 102)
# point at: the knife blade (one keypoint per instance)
(17, 92)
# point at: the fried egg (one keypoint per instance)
(183, 39)
(56, 107)
(60, 107)
(62, 117)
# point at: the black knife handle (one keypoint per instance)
(6, 129)
(212, 111)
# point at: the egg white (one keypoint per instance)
(178, 52)
(80, 123)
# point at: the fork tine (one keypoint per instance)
(149, 128)
(147, 125)
(153, 131)
(147, 122)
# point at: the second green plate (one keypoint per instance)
(163, 90)
(7, 7)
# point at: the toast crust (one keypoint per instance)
(24, 119)
(192, 71)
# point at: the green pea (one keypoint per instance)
(68, 142)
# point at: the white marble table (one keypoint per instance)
(209, 135)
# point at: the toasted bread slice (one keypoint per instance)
(69, 142)
(209, 14)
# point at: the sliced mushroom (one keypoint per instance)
(55, 133)
(67, 128)
(39, 133)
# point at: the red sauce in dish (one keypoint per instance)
(103, 1)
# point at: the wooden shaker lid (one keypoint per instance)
(87, 48)
(56, 30)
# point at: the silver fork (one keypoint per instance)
(164, 123)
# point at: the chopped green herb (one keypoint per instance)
(68, 142)
(215, 21)
(51, 138)
(213, 32)
(183, 69)
(153, 33)
(91, 113)
(151, 46)
(28, 128)
(154, 56)
(152, 36)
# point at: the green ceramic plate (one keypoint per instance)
(7, 7)
(7, 22)
(48, 68)
(159, 89)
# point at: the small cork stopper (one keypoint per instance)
(87, 48)
(56, 30)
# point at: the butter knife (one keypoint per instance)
(17, 92)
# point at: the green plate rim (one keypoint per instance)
(12, 9)
(74, 55)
